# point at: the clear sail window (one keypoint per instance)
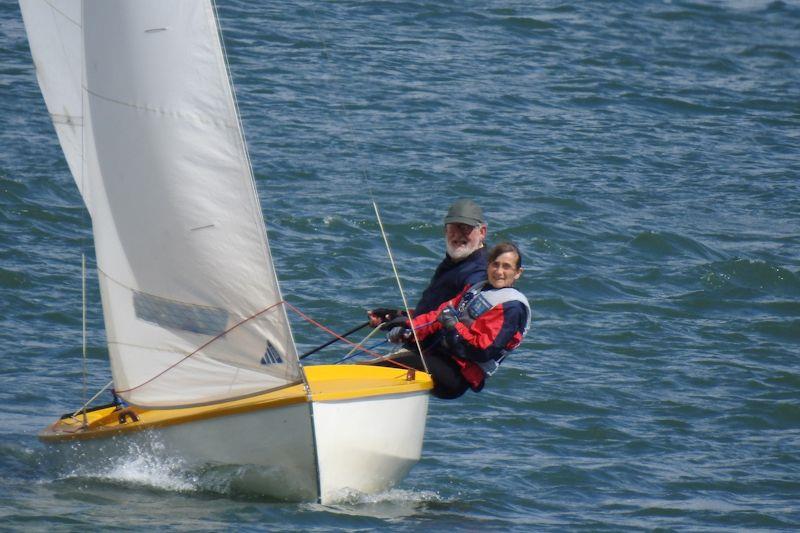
(271, 356)
(179, 315)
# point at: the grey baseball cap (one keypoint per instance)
(465, 212)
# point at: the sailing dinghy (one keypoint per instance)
(198, 336)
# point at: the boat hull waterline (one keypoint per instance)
(360, 430)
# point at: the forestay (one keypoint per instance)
(161, 163)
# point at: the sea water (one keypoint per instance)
(644, 155)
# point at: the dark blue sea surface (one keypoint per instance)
(644, 155)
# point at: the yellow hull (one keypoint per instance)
(359, 427)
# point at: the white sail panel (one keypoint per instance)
(54, 35)
(179, 234)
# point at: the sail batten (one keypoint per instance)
(182, 253)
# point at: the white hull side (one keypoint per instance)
(272, 450)
(368, 444)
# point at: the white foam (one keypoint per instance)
(390, 504)
(146, 465)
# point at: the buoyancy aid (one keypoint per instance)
(476, 302)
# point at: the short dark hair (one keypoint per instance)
(504, 247)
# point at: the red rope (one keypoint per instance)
(320, 326)
(375, 355)
(293, 308)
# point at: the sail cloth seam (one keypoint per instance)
(67, 17)
(233, 379)
(163, 112)
(143, 347)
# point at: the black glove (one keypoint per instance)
(382, 314)
(398, 334)
(397, 322)
(448, 317)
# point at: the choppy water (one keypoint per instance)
(646, 157)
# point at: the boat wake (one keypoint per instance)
(137, 465)
(387, 505)
(151, 466)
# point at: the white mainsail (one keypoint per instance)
(161, 163)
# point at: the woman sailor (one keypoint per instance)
(470, 335)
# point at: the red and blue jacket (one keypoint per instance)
(447, 281)
(484, 340)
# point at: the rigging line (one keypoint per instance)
(352, 354)
(256, 204)
(312, 321)
(365, 339)
(93, 398)
(400, 286)
(242, 138)
(202, 346)
(360, 345)
(326, 344)
(83, 335)
(375, 355)
(360, 147)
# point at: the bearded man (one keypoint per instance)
(464, 264)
